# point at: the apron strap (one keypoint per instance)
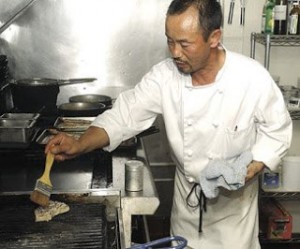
(201, 202)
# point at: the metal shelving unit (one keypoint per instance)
(280, 195)
(268, 41)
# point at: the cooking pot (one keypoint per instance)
(81, 109)
(92, 98)
(32, 95)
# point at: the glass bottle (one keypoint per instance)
(280, 17)
(263, 17)
(269, 25)
(294, 20)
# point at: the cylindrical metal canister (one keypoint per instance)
(134, 175)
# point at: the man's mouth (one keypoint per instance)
(179, 62)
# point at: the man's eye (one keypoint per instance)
(184, 45)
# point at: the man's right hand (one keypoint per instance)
(66, 147)
(63, 147)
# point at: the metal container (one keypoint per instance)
(16, 131)
(20, 116)
(32, 95)
(134, 176)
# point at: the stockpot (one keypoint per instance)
(32, 95)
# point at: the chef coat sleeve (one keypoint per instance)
(134, 110)
(274, 126)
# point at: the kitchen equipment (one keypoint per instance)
(275, 220)
(74, 124)
(243, 11)
(16, 132)
(231, 10)
(81, 109)
(43, 187)
(92, 98)
(86, 225)
(290, 173)
(30, 95)
(134, 175)
(21, 116)
(293, 103)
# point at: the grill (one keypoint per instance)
(76, 182)
(84, 226)
(91, 184)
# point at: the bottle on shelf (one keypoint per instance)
(269, 24)
(263, 17)
(280, 17)
(294, 19)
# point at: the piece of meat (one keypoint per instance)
(47, 213)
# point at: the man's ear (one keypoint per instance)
(215, 38)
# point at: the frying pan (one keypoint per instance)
(92, 98)
(81, 109)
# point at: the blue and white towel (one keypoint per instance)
(220, 173)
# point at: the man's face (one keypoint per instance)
(185, 41)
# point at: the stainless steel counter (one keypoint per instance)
(144, 202)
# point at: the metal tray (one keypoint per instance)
(16, 131)
(46, 135)
(20, 116)
(73, 123)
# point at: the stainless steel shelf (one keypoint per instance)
(280, 195)
(277, 40)
(294, 240)
(269, 40)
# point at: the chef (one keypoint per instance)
(217, 105)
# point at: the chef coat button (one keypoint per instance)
(189, 153)
(190, 179)
(189, 122)
(220, 91)
(215, 124)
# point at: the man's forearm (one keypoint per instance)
(93, 138)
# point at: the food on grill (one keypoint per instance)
(47, 213)
(73, 123)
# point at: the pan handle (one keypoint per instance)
(63, 82)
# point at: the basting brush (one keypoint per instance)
(43, 187)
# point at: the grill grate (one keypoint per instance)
(84, 226)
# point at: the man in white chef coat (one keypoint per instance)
(216, 105)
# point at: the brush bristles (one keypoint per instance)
(43, 188)
(41, 194)
(39, 198)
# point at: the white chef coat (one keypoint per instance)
(242, 110)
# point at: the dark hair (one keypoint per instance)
(210, 13)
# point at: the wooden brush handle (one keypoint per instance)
(46, 175)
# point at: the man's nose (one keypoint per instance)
(176, 51)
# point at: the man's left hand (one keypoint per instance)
(253, 169)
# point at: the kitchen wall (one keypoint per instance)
(115, 41)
